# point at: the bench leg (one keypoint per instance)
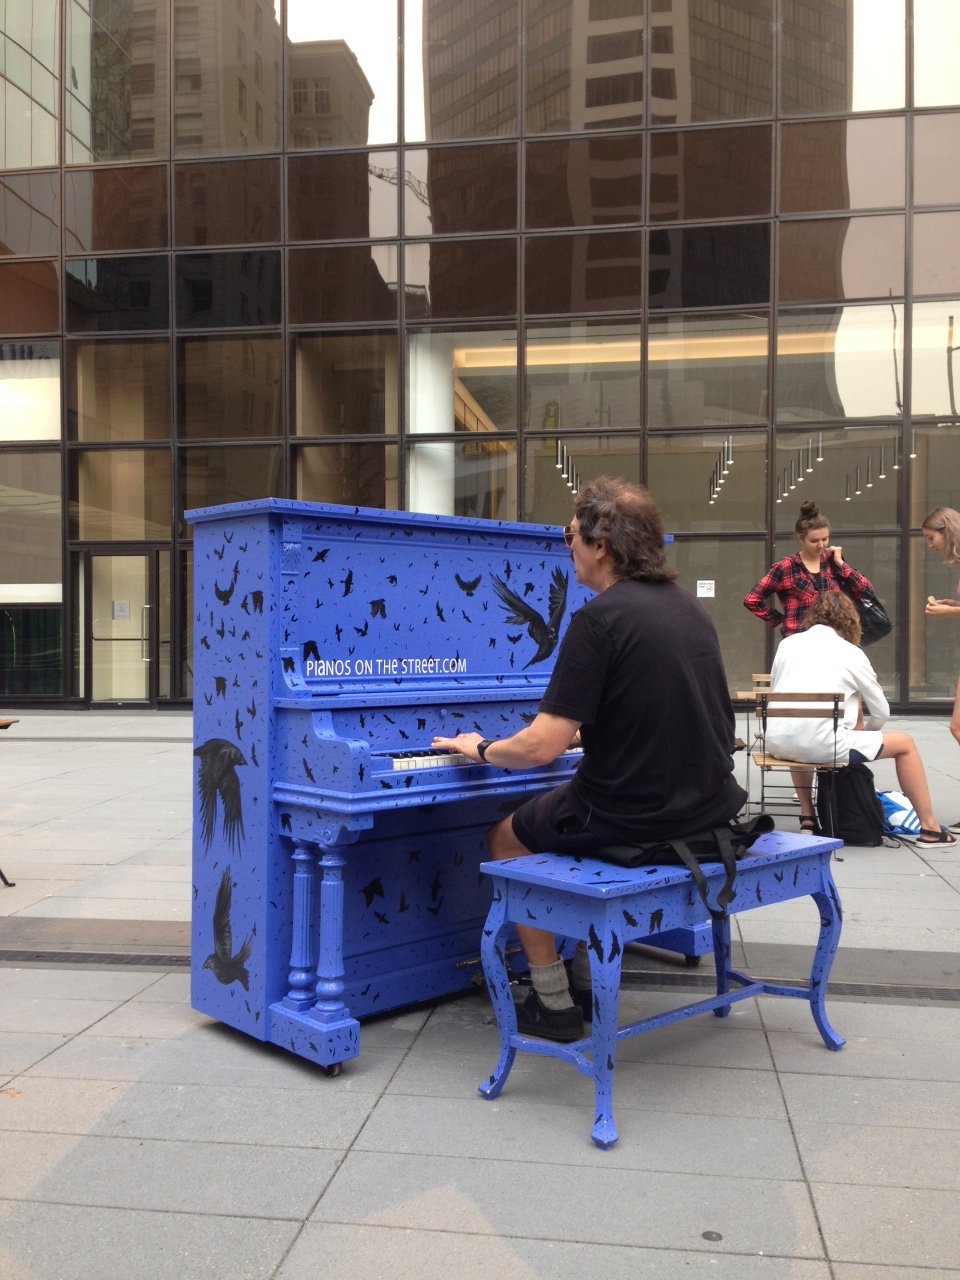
(831, 919)
(494, 964)
(605, 976)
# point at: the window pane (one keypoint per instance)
(936, 362)
(461, 279)
(31, 652)
(732, 568)
(29, 391)
(233, 203)
(710, 173)
(585, 272)
(362, 475)
(29, 297)
(29, 84)
(345, 384)
(451, 189)
(578, 76)
(462, 381)
(933, 454)
(111, 210)
(842, 55)
(226, 77)
(839, 362)
(29, 212)
(342, 73)
(936, 253)
(708, 483)
(105, 294)
(229, 387)
(936, 38)
(343, 284)
(707, 369)
(710, 266)
(333, 197)
(841, 164)
(118, 391)
(228, 289)
(116, 89)
(461, 69)
(31, 569)
(936, 159)
(841, 258)
(216, 474)
(475, 478)
(584, 182)
(583, 375)
(549, 488)
(852, 472)
(730, 64)
(119, 495)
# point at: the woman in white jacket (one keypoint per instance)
(826, 656)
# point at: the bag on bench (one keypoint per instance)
(726, 844)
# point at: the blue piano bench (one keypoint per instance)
(609, 906)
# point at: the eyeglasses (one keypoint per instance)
(569, 533)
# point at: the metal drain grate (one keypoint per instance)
(153, 961)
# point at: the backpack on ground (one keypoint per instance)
(899, 816)
(848, 807)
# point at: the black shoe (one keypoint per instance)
(582, 997)
(535, 1019)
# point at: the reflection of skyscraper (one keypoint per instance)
(330, 97)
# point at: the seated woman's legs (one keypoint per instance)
(911, 775)
(803, 785)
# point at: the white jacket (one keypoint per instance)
(820, 661)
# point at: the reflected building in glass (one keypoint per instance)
(460, 257)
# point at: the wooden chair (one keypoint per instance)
(781, 705)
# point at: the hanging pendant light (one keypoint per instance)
(869, 473)
(881, 474)
(819, 446)
(846, 496)
(857, 490)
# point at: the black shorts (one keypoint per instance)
(549, 823)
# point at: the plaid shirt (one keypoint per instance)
(798, 588)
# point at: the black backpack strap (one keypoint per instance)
(724, 842)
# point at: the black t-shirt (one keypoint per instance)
(640, 669)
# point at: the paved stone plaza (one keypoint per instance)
(142, 1141)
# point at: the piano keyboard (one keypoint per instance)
(437, 758)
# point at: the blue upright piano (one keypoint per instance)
(335, 855)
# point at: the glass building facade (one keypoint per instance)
(460, 256)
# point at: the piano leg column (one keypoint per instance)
(330, 1006)
(302, 968)
(312, 1019)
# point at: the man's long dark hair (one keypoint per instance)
(629, 522)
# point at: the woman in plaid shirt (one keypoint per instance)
(798, 579)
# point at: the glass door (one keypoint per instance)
(121, 626)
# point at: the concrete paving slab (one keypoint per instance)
(508, 1129)
(897, 1226)
(868, 1019)
(887, 1156)
(176, 1177)
(19, 1051)
(926, 1104)
(74, 984)
(646, 1086)
(544, 1201)
(854, 1271)
(77, 1242)
(892, 1059)
(50, 1016)
(343, 1252)
(299, 1117)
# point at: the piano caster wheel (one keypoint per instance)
(692, 961)
(333, 1069)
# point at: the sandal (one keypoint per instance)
(941, 839)
(808, 823)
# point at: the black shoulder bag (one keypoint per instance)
(727, 844)
(875, 622)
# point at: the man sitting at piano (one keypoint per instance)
(640, 679)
